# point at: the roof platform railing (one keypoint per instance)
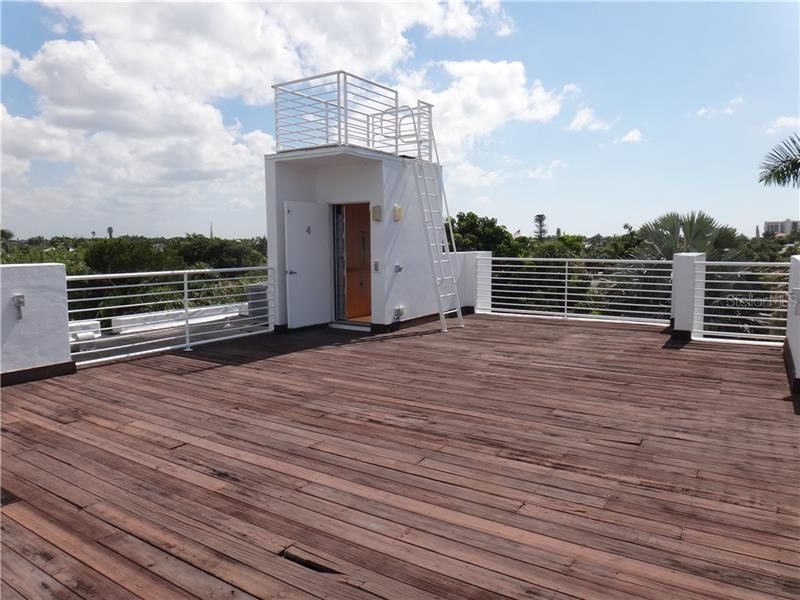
(342, 109)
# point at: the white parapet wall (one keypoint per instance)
(791, 347)
(35, 334)
(467, 276)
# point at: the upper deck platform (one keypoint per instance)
(342, 109)
(515, 458)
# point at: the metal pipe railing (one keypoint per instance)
(619, 289)
(344, 109)
(745, 301)
(138, 313)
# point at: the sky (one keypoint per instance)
(154, 118)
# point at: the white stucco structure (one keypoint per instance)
(35, 335)
(793, 324)
(688, 269)
(302, 253)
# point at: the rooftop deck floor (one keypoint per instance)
(521, 458)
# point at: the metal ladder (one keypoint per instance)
(439, 235)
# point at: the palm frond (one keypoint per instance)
(782, 164)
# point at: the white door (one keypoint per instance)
(309, 264)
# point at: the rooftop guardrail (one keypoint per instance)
(342, 109)
(123, 315)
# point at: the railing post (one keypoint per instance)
(688, 294)
(327, 125)
(277, 122)
(188, 342)
(346, 116)
(566, 287)
(339, 108)
(396, 124)
(791, 345)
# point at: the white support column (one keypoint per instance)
(791, 346)
(483, 274)
(688, 293)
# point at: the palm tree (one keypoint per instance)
(693, 232)
(782, 165)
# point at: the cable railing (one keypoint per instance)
(742, 301)
(123, 315)
(624, 290)
(342, 109)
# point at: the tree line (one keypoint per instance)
(657, 239)
(129, 254)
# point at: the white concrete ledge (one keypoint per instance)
(165, 319)
(86, 329)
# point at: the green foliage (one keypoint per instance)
(472, 232)
(540, 228)
(693, 232)
(782, 164)
(130, 254)
(217, 253)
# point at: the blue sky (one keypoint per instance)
(153, 119)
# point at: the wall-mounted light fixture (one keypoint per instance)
(19, 302)
(377, 213)
(397, 213)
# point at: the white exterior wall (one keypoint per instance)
(378, 179)
(41, 337)
(793, 314)
(401, 243)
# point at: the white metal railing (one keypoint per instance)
(741, 301)
(342, 109)
(625, 290)
(122, 315)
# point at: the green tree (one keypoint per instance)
(129, 254)
(472, 232)
(540, 228)
(782, 164)
(693, 232)
(6, 235)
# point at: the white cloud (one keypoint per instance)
(784, 123)
(479, 98)
(466, 174)
(728, 108)
(544, 172)
(585, 119)
(634, 136)
(10, 58)
(130, 107)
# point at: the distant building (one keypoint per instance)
(781, 227)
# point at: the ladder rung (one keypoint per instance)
(451, 311)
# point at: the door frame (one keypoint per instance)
(339, 252)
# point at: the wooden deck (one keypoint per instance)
(516, 458)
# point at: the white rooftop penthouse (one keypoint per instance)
(358, 229)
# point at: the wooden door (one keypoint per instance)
(357, 260)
